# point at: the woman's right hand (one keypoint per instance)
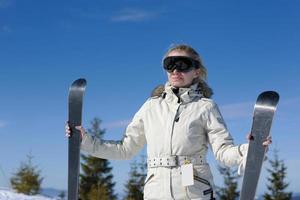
(68, 130)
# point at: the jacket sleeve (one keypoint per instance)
(133, 140)
(221, 141)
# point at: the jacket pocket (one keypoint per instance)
(201, 189)
(151, 189)
(148, 178)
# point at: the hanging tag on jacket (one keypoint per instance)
(187, 174)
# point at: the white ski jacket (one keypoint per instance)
(177, 131)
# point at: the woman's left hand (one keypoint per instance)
(267, 142)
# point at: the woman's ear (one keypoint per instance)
(197, 73)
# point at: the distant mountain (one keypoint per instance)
(296, 196)
(7, 194)
(52, 192)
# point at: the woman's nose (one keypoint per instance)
(175, 71)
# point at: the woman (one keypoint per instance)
(177, 123)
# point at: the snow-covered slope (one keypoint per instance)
(6, 194)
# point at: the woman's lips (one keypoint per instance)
(176, 78)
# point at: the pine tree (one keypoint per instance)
(98, 192)
(137, 175)
(27, 179)
(229, 191)
(96, 176)
(277, 184)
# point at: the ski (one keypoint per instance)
(76, 92)
(264, 110)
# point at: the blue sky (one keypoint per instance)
(247, 47)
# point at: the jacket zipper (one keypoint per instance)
(173, 124)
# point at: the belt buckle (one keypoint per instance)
(176, 159)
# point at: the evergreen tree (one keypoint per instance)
(229, 191)
(134, 186)
(98, 192)
(277, 184)
(96, 177)
(27, 179)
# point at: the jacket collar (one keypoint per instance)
(182, 95)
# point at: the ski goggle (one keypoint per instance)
(180, 63)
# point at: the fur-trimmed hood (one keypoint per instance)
(202, 86)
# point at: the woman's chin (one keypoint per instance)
(178, 85)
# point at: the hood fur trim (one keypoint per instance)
(206, 91)
(158, 91)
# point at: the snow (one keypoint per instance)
(6, 194)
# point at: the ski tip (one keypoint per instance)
(79, 82)
(270, 98)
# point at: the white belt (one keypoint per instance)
(174, 161)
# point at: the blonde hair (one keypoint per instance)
(203, 86)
